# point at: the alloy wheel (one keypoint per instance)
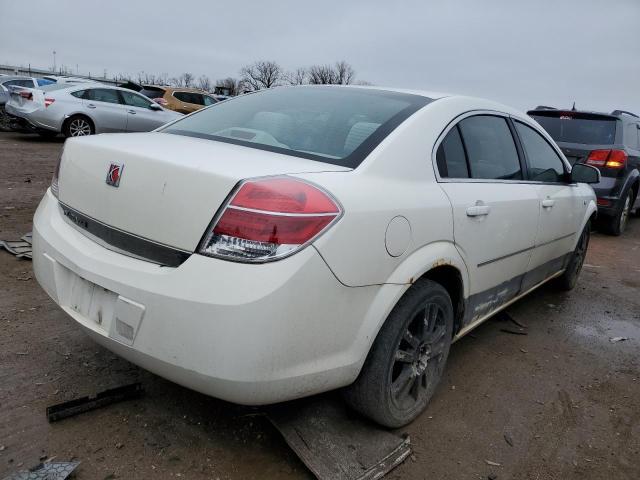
(79, 128)
(418, 358)
(624, 215)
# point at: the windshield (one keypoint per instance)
(334, 125)
(573, 127)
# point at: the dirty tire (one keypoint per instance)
(567, 281)
(406, 361)
(78, 126)
(617, 224)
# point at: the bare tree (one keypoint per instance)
(321, 75)
(297, 77)
(261, 74)
(344, 73)
(232, 85)
(187, 79)
(341, 73)
(204, 83)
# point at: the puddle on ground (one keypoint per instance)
(608, 328)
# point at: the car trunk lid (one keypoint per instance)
(168, 187)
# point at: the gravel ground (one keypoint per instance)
(562, 402)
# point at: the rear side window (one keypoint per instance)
(209, 100)
(544, 163)
(451, 159)
(19, 83)
(490, 148)
(631, 136)
(571, 127)
(79, 93)
(103, 95)
(152, 92)
(186, 97)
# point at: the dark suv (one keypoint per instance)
(610, 142)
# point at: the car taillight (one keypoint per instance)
(26, 95)
(48, 101)
(161, 101)
(269, 218)
(55, 189)
(603, 202)
(608, 158)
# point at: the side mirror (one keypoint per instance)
(581, 173)
(155, 106)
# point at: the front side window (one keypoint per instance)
(544, 163)
(334, 125)
(490, 147)
(103, 95)
(135, 100)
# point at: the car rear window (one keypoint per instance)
(572, 127)
(152, 92)
(335, 125)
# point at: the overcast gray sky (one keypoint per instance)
(520, 52)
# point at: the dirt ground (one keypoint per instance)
(562, 402)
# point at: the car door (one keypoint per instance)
(560, 205)
(105, 108)
(495, 213)
(140, 116)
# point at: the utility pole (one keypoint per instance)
(54, 61)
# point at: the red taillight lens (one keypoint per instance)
(603, 202)
(598, 158)
(48, 101)
(161, 101)
(270, 218)
(608, 158)
(26, 95)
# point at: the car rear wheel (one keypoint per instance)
(567, 281)
(617, 224)
(78, 126)
(407, 359)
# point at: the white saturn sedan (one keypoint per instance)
(303, 239)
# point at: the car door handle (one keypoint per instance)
(548, 203)
(132, 112)
(91, 105)
(478, 210)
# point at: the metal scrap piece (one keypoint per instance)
(92, 402)
(46, 471)
(335, 443)
(20, 248)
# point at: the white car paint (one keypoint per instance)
(269, 332)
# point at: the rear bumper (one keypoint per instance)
(34, 120)
(250, 334)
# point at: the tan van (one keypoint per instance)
(183, 100)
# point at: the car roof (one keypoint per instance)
(177, 89)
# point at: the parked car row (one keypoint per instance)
(78, 107)
(180, 99)
(609, 142)
(84, 109)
